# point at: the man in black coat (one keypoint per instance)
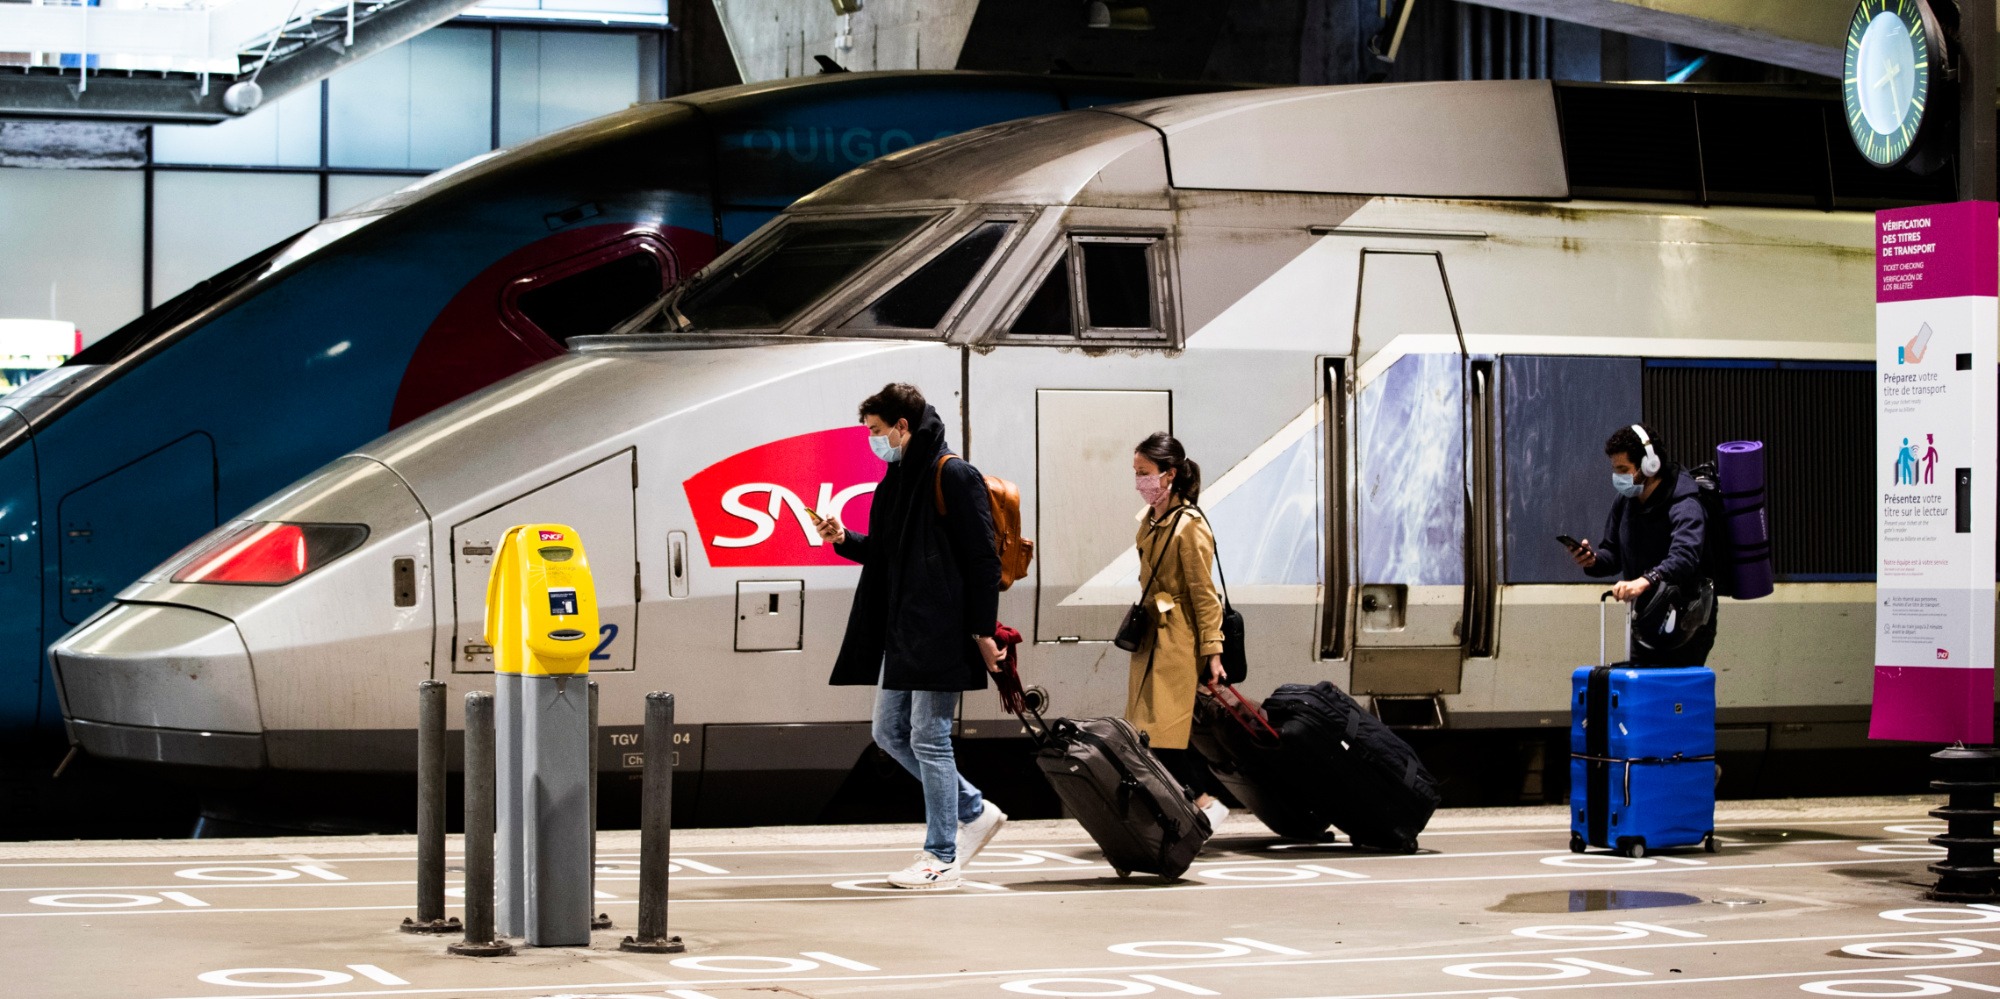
(924, 614)
(1654, 542)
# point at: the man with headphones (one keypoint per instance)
(1654, 543)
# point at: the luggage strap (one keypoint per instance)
(1127, 783)
(1642, 761)
(1239, 708)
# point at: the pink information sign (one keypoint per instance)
(1937, 325)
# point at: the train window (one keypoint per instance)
(1117, 284)
(923, 299)
(769, 285)
(593, 300)
(1048, 311)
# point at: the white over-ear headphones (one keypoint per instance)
(1649, 465)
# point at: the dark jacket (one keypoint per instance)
(1660, 537)
(928, 583)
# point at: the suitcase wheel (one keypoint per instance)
(1121, 872)
(1576, 843)
(1632, 846)
(1709, 844)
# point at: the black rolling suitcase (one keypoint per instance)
(1352, 767)
(1241, 747)
(1110, 782)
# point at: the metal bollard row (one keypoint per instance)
(480, 812)
(655, 830)
(430, 813)
(601, 921)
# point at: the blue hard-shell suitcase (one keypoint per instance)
(1642, 756)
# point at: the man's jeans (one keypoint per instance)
(914, 726)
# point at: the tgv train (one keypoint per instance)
(1394, 323)
(150, 437)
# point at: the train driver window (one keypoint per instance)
(609, 287)
(923, 300)
(1100, 287)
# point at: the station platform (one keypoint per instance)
(1806, 897)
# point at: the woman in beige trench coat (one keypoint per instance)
(1184, 650)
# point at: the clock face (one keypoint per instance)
(1886, 80)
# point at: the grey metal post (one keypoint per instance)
(511, 893)
(601, 921)
(1976, 157)
(655, 830)
(430, 813)
(555, 743)
(479, 814)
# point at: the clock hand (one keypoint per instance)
(1893, 72)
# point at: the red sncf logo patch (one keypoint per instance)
(552, 535)
(751, 507)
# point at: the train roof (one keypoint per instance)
(1520, 139)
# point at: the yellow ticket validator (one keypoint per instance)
(541, 607)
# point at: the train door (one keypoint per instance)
(1423, 593)
(600, 502)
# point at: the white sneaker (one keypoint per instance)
(925, 873)
(1216, 812)
(973, 836)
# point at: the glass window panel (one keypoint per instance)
(798, 264)
(594, 300)
(1047, 313)
(284, 134)
(1118, 285)
(552, 79)
(77, 242)
(921, 301)
(350, 190)
(424, 104)
(203, 222)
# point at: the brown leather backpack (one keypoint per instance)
(1015, 551)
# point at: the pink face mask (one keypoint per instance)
(1150, 487)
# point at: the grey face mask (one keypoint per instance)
(1627, 485)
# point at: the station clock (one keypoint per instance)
(1895, 56)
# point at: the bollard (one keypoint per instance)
(511, 893)
(479, 816)
(601, 921)
(1969, 777)
(655, 829)
(430, 813)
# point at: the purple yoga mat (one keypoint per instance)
(1740, 467)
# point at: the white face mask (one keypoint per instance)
(1150, 487)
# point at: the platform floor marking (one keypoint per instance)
(742, 980)
(278, 857)
(375, 974)
(1565, 874)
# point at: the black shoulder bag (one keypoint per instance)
(1132, 631)
(1235, 662)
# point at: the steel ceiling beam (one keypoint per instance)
(179, 98)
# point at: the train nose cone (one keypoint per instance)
(161, 683)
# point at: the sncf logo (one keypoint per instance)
(751, 507)
(1944, 653)
(552, 535)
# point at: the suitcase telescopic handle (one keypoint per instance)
(1603, 599)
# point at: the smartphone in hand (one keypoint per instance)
(1568, 542)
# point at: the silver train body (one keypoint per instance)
(1384, 319)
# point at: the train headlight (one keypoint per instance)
(262, 553)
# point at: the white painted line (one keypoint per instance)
(375, 974)
(688, 994)
(969, 883)
(223, 885)
(185, 899)
(696, 865)
(1261, 945)
(1657, 928)
(1168, 983)
(1986, 944)
(1335, 871)
(1613, 968)
(837, 961)
(317, 871)
(1956, 983)
(1065, 858)
(1690, 861)
(605, 895)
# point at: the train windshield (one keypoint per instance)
(770, 284)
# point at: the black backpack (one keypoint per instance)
(1718, 558)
